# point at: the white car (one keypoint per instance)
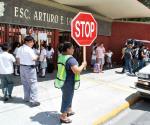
(143, 83)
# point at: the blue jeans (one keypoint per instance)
(128, 65)
(67, 96)
(7, 84)
(141, 64)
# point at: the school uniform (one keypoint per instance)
(43, 62)
(49, 53)
(6, 73)
(49, 56)
(28, 73)
(16, 66)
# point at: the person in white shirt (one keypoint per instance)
(6, 71)
(16, 66)
(93, 57)
(100, 55)
(26, 58)
(49, 57)
(109, 58)
(43, 62)
(37, 52)
(49, 52)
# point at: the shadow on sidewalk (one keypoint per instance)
(15, 100)
(47, 118)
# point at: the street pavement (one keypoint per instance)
(99, 94)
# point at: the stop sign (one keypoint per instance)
(84, 29)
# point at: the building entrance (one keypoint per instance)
(66, 36)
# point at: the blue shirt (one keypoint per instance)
(70, 75)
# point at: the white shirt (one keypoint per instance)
(15, 51)
(36, 51)
(94, 55)
(109, 54)
(6, 63)
(43, 55)
(49, 53)
(26, 55)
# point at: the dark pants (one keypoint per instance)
(141, 64)
(136, 66)
(123, 65)
(67, 96)
(7, 84)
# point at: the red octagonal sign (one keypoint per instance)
(84, 29)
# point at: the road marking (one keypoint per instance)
(133, 99)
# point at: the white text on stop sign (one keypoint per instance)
(82, 26)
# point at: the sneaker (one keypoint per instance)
(26, 100)
(5, 99)
(42, 76)
(10, 96)
(131, 74)
(34, 104)
(17, 74)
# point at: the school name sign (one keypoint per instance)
(40, 16)
(32, 14)
(26, 13)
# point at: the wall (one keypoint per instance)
(121, 31)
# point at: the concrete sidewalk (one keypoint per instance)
(98, 95)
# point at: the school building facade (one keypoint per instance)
(18, 17)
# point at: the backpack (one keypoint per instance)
(96, 68)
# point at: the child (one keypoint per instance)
(43, 62)
(50, 53)
(108, 58)
(93, 57)
(6, 72)
(16, 66)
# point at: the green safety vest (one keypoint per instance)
(61, 73)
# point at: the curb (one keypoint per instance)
(130, 101)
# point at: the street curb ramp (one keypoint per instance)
(130, 101)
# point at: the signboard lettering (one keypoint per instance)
(87, 28)
(84, 29)
(2, 9)
(28, 13)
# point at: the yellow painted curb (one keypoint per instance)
(130, 101)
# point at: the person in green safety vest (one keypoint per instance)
(68, 79)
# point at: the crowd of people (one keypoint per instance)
(45, 60)
(26, 60)
(134, 57)
(29, 59)
(67, 78)
(100, 56)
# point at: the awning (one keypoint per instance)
(114, 9)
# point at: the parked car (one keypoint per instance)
(137, 42)
(143, 82)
